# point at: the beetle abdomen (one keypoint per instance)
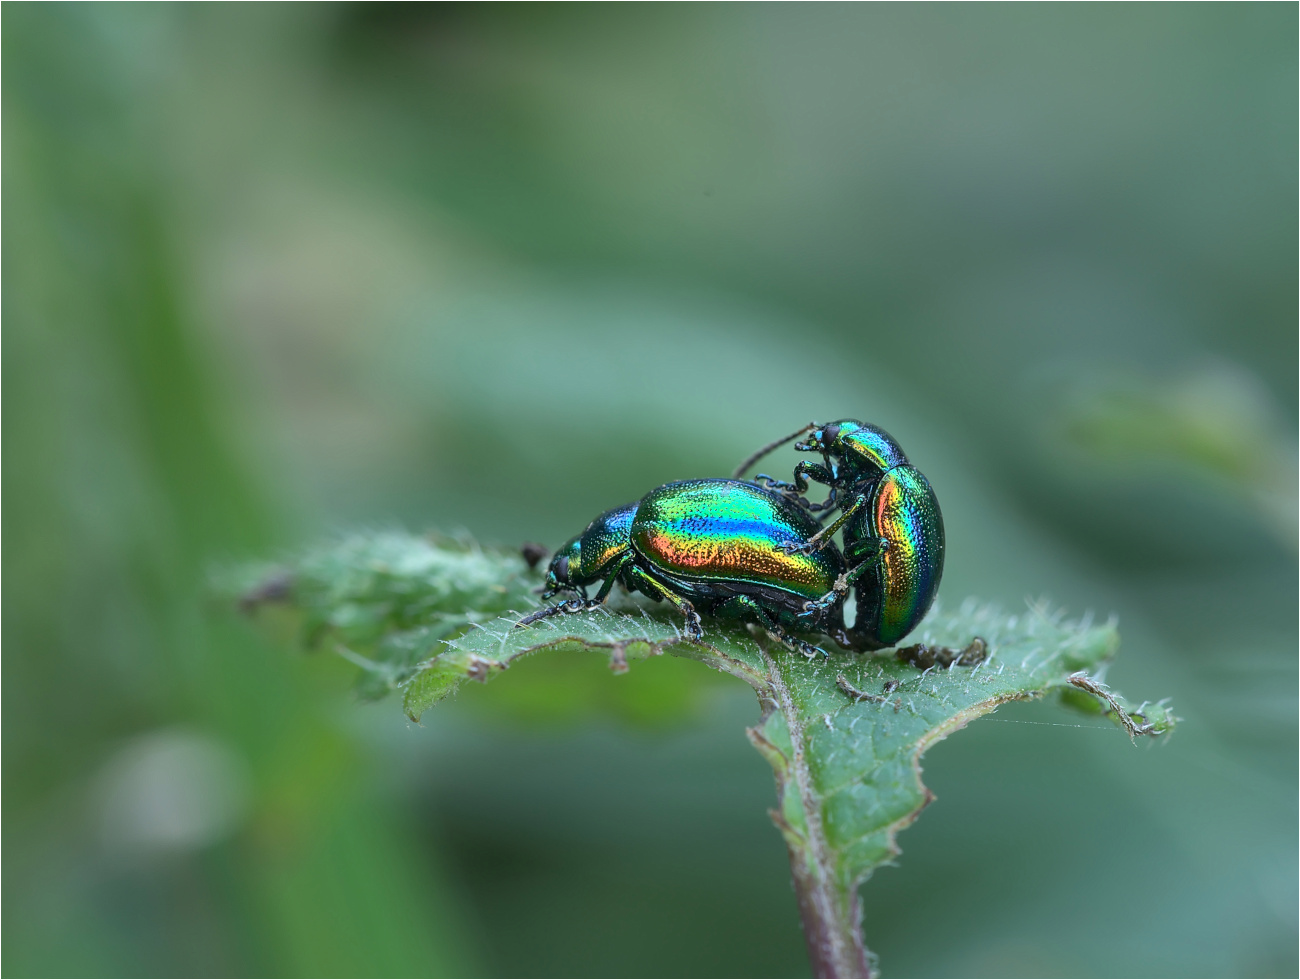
(905, 512)
(726, 531)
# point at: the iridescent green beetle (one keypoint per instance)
(893, 528)
(719, 547)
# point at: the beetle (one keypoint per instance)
(720, 547)
(893, 528)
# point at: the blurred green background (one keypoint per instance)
(274, 271)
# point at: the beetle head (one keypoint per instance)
(566, 563)
(865, 449)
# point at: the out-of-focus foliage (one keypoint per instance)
(388, 601)
(178, 799)
(271, 270)
(1209, 424)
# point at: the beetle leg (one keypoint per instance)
(802, 472)
(579, 605)
(830, 503)
(568, 606)
(823, 537)
(795, 491)
(844, 583)
(862, 552)
(788, 490)
(605, 587)
(744, 607)
(791, 490)
(793, 642)
(827, 475)
(638, 579)
(815, 471)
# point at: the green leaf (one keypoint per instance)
(844, 734)
(387, 601)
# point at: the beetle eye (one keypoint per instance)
(561, 568)
(829, 434)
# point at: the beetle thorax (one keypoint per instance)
(867, 447)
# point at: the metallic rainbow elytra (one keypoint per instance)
(727, 531)
(904, 512)
(761, 552)
(723, 548)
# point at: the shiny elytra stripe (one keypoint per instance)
(907, 515)
(724, 530)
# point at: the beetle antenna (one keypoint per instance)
(771, 446)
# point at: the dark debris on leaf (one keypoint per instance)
(923, 656)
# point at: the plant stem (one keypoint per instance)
(828, 910)
(830, 923)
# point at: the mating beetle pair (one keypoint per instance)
(758, 551)
(721, 547)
